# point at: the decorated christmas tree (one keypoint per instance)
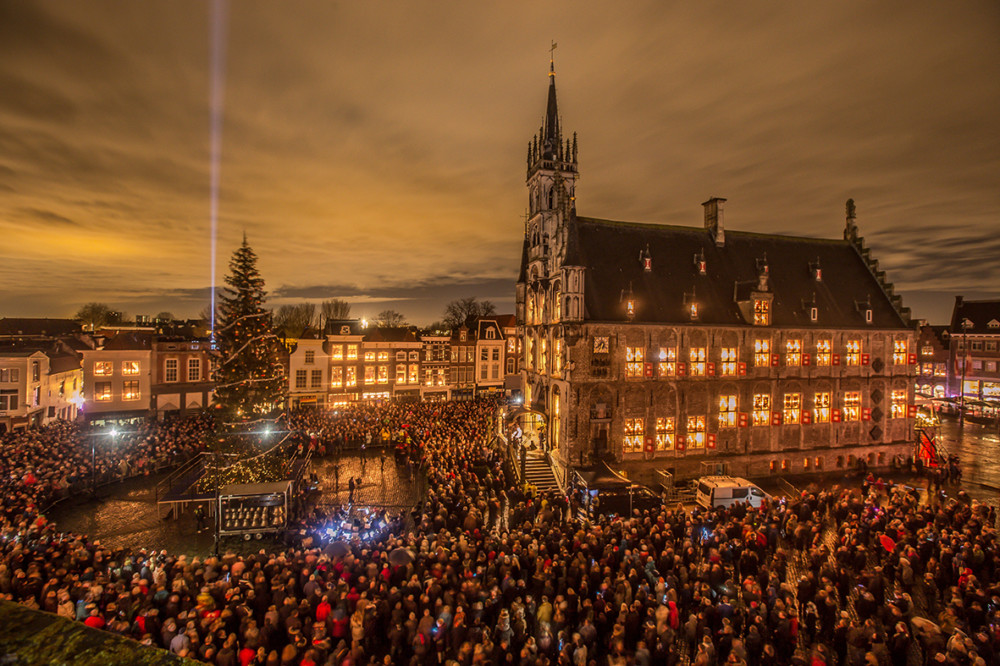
(250, 375)
(250, 381)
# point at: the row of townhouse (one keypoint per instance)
(961, 361)
(348, 362)
(41, 378)
(136, 374)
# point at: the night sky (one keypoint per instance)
(376, 151)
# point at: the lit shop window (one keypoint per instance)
(369, 374)
(696, 432)
(336, 377)
(352, 376)
(761, 353)
(793, 352)
(633, 435)
(400, 373)
(728, 361)
(821, 407)
(383, 374)
(383, 356)
(665, 433)
(853, 352)
(898, 404)
(337, 353)
(852, 405)
(369, 356)
(761, 409)
(634, 357)
(102, 391)
(130, 390)
(129, 368)
(727, 411)
(414, 373)
(697, 358)
(103, 368)
(823, 352)
(899, 352)
(511, 345)
(352, 352)
(761, 312)
(792, 413)
(667, 365)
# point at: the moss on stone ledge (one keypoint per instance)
(29, 637)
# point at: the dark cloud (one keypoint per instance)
(35, 214)
(379, 148)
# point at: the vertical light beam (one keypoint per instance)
(219, 21)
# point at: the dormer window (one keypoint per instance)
(629, 302)
(865, 308)
(691, 305)
(761, 312)
(815, 270)
(646, 259)
(699, 263)
(993, 323)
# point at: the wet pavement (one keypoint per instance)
(978, 449)
(125, 514)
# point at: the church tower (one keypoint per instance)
(551, 182)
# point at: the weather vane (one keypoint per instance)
(552, 58)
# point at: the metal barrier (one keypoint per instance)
(788, 487)
(166, 485)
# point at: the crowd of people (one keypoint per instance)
(490, 572)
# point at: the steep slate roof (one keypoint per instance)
(610, 252)
(980, 313)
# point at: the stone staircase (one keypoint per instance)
(538, 473)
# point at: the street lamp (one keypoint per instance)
(93, 460)
(965, 363)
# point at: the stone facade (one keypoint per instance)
(678, 348)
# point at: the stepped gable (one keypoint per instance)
(607, 248)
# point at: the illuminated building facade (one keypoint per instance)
(117, 377)
(181, 376)
(974, 350)
(678, 348)
(933, 361)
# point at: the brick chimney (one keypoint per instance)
(714, 219)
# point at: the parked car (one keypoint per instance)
(716, 491)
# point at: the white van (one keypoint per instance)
(716, 491)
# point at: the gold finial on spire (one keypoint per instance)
(552, 59)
